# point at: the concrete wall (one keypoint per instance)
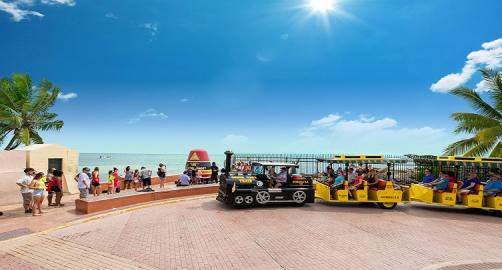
(37, 158)
(12, 164)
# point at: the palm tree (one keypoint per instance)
(24, 110)
(485, 125)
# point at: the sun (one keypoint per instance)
(321, 6)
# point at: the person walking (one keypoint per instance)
(38, 187)
(26, 192)
(161, 173)
(128, 177)
(84, 183)
(96, 182)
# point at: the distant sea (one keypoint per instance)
(107, 161)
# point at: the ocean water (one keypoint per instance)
(107, 161)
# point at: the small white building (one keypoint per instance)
(41, 157)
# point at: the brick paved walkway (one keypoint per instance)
(204, 234)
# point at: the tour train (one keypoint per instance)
(401, 183)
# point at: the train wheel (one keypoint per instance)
(299, 197)
(249, 200)
(238, 200)
(262, 197)
(387, 205)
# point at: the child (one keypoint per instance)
(136, 181)
(110, 182)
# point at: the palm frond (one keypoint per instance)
(481, 149)
(460, 147)
(477, 102)
(472, 122)
(497, 150)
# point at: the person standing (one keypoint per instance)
(116, 180)
(214, 173)
(96, 182)
(135, 178)
(50, 193)
(56, 185)
(146, 178)
(84, 183)
(38, 187)
(128, 177)
(110, 182)
(27, 194)
(161, 173)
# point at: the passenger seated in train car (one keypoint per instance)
(428, 177)
(372, 178)
(351, 177)
(357, 183)
(282, 178)
(494, 186)
(339, 181)
(440, 184)
(468, 186)
(451, 177)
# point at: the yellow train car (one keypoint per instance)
(474, 199)
(385, 193)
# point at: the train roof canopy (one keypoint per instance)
(483, 162)
(276, 164)
(365, 160)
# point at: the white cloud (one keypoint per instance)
(18, 13)
(152, 29)
(67, 96)
(235, 139)
(326, 121)
(111, 15)
(490, 57)
(371, 135)
(70, 3)
(150, 113)
(184, 100)
(262, 58)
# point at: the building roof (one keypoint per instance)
(41, 146)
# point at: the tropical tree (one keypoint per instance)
(485, 125)
(25, 110)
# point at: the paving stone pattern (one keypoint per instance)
(204, 234)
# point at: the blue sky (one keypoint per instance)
(365, 76)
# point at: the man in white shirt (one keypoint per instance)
(83, 183)
(27, 193)
(184, 180)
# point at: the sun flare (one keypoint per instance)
(321, 6)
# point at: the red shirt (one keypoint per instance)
(116, 179)
(451, 179)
